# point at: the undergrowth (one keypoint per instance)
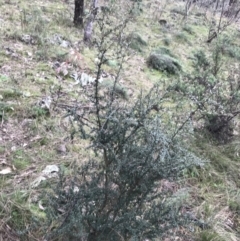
(41, 50)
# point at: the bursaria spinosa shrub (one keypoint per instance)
(116, 195)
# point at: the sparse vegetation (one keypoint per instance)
(235, 206)
(188, 29)
(114, 88)
(178, 11)
(215, 98)
(209, 236)
(181, 37)
(136, 42)
(189, 48)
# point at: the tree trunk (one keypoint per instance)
(78, 13)
(89, 26)
(187, 8)
(231, 2)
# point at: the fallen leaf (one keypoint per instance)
(6, 170)
(61, 210)
(36, 138)
(50, 169)
(26, 94)
(29, 54)
(13, 148)
(37, 181)
(41, 206)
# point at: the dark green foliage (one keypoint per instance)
(200, 61)
(105, 9)
(116, 195)
(167, 41)
(220, 126)
(164, 51)
(162, 61)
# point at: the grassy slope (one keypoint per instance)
(30, 138)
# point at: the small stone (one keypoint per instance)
(61, 148)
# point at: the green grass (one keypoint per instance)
(10, 93)
(3, 78)
(20, 160)
(188, 29)
(181, 37)
(216, 184)
(209, 235)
